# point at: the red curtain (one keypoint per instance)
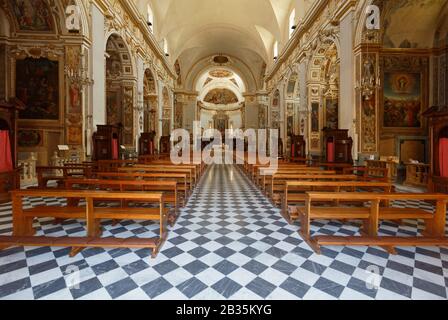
(114, 149)
(5, 152)
(293, 151)
(331, 151)
(443, 157)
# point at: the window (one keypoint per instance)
(150, 18)
(165, 47)
(292, 22)
(276, 50)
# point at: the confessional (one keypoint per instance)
(9, 172)
(438, 136)
(106, 142)
(298, 147)
(146, 144)
(337, 146)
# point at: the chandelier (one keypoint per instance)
(78, 73)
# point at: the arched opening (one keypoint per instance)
(292, 22)
(166, 113)
(120, 88)
(150, 102)
(221, 101)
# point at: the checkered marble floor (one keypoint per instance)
(229, 243)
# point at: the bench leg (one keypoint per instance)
(74, 252)
(311, 242)
(156, 250)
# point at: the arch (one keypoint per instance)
(166, 112)
(150, 102)
(203, 65)
(116, 45)
(120, 87)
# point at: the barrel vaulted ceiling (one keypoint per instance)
(243, 29)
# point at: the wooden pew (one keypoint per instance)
(183, 185)
(277, 181)
(434, 234)
(162, 169)
(168, 188)
(23, 231)
(294, 193)
(114, 165)
(266, 177)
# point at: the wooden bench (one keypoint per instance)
(168, 188)
(183, 185)
(114, 165)
(263, 174)
(434, 234)
(23, 231)
(277, 182)
(294, 193)
(162, 169)
(267, 177)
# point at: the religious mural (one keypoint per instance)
(332, 113)
(221, 96)
(32, 15)
(221, 73)
(30, 138)
(402, 100)
(37, 86)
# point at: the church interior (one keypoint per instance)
(93, 207)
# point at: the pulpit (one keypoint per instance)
(106, 142)
(298, 148)
(9, 172)
(146, 144)
(337, 146)
(438, 136)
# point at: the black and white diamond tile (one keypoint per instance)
(229, 243)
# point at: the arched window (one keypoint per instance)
(292, 22)
(276, 50)
(150, 18)
(165, 47)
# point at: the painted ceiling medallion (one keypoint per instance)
(221, 73)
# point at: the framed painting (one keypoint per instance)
(332, 113)
(37, 86)
(32, 15)
(403, 103)
(74, 135)
(404, 94)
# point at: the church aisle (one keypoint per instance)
(229, 243)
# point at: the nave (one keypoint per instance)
(228, 243)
